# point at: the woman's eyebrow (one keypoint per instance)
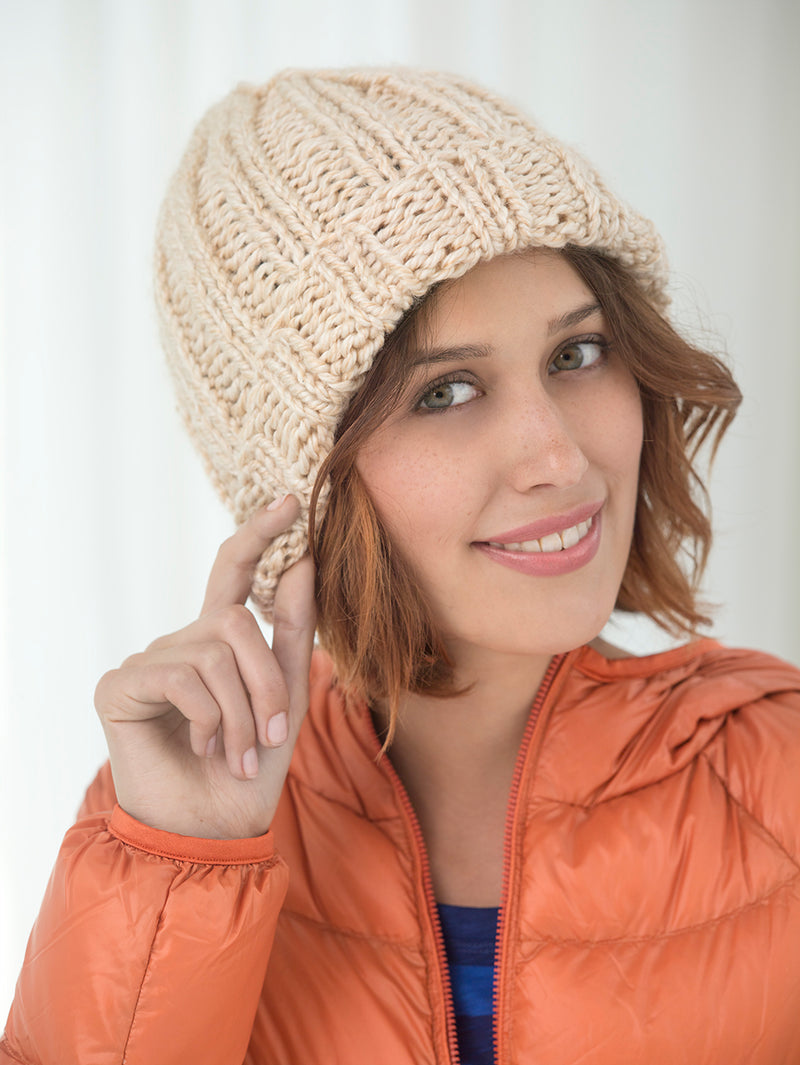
(566, 321)
(481, 351)
(461, 351)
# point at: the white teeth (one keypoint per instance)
(552, 542)
(570, 537)
(531, 546)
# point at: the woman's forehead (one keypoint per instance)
(540, 285)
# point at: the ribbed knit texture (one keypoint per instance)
(306, 216)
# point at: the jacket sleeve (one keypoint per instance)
(149, 947)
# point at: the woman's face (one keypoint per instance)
(507, 474)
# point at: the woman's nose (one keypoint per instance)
(543, 448)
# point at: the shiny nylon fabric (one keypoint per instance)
(652, 914)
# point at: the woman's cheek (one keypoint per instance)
(415, 490)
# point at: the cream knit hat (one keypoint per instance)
(306, 216)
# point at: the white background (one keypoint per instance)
(688, 107)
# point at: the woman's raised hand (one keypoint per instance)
(201, 726)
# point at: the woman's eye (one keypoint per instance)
(447, 394)
(578, 355)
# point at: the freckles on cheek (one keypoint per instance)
(387, 479)
(409, 487)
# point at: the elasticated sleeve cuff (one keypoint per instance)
(190, 848)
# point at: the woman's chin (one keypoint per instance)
(524, 638)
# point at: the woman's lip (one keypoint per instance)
(545, 526)
(548, 563)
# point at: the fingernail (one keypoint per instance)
(278, 729)
(211, 746)
(250, 763)
(278, 502)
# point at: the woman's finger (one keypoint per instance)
(143, 692)
(218, 669)
(263, 678)
(232, 573)
(185, 690)
(256, 663)
(203, 683)
(294, 625)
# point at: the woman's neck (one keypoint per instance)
(456, 759)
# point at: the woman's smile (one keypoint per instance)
(549, 534)
(507, 475)
(558, 541)
(552, 555)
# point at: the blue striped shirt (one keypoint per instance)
(469, 939)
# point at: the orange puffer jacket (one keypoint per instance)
(651, 912)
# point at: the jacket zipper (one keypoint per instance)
(511, 818)
(427, 882)
(430, 899)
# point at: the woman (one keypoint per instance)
(415, 335)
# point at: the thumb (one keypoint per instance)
(294, 626)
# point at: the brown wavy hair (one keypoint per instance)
(373, 617)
